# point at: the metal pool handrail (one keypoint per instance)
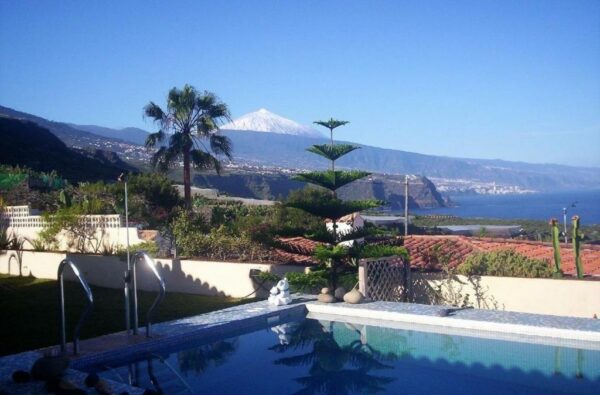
(172, 369)
(161, 282)
(90, 300)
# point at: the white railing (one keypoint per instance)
(20, 217)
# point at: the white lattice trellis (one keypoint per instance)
(385, 278)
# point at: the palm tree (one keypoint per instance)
(191, 124)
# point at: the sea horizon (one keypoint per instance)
(532, 206)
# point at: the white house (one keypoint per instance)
(347, 223)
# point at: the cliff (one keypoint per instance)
(276, 186)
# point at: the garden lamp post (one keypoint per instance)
(406, 206)
(123, 179)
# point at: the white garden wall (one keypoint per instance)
(567, 297)
(23, 222)
(188, 276)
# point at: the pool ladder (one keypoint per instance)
(131, 277)
(90, 304)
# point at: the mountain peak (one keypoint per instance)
(264, 120)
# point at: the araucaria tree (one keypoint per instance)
(331, 124)
(189, 133)
(328, 206)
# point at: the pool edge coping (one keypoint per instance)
(458, 323)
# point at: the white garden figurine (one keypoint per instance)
(280, 294)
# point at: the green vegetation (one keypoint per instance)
(11, 177)
(152, 201)
(229, 230)
(311, 282)
(25, 144)
(382, 250)
(191, 119)
(26, 300)
(147, 246)
(577, 236)
(556, 245)
(505, 263)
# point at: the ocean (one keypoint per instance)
(540, 206)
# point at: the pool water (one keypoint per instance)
(312, 356)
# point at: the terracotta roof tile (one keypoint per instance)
(300, 245)
(148, 235)
(289, 258)
(426, 250)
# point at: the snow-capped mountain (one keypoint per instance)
(265, 121)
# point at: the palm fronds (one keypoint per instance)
(191, 117)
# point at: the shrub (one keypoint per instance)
(5, 240)
(187, 227)
(147, 246)
(380, 251)
(310, 282)
(506, 263)
(267, 277)
(194, 238)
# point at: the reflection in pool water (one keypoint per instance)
(325, 357)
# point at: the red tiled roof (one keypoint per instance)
(422, 250)
(296, 250)
(300, 245)
(289, 258)
(148, 235)
(425, 251)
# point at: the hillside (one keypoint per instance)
(81, 139)
(26, 144)
(268, 149)
(130, 135)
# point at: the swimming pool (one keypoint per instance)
(320, 354)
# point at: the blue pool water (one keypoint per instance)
(309, 356)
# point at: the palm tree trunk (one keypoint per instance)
(187, 183)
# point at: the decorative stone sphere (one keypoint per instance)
(353, 297)
(339, 293)
(325, 290)
(325, 298)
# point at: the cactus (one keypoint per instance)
(577, 236)
(556, 245)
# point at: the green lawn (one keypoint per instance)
(30, 313)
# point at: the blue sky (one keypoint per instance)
(516, 80)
